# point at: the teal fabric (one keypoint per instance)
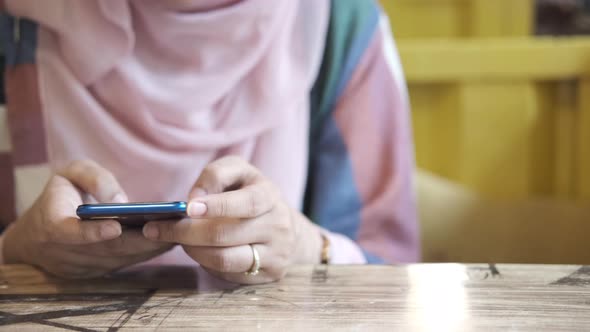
(332, 199)
(352, 25)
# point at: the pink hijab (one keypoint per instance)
(156, 89)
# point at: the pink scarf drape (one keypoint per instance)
(154, 91)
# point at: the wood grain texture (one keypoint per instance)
(441, 297)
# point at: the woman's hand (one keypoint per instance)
(51, 236)
(233, 206)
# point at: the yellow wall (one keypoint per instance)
(494, 108)
(460, 18)
(505, 116)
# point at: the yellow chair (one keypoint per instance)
(458, 225)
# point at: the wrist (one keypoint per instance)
(325, 256)
(14, 245)
(309, 242)
(7, 243)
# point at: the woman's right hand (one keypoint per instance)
(51, 236)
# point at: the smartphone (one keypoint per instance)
(133, 214)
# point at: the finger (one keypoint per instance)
(228, 173)
(75, 262)
(71, 230)
(116, 263)
(130, 243)
(95, 180)
(249, 202)
(232, 263)
(59, 222)
(238, 259)
(68, 271)
(207, 232)
(111, 264)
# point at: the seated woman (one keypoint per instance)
(284, 124)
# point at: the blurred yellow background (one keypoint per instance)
(502, 131)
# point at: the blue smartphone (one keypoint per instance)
(133, 214)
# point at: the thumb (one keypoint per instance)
(222, 175)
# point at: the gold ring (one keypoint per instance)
(255, 268)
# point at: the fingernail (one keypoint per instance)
(151, 232)
(109, 232)
(120, 198)
(196, 209)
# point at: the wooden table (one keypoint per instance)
(441, 297)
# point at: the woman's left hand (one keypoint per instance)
(233, 207)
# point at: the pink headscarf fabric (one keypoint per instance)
(155, 89)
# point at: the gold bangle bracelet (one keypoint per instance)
(325, 257)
